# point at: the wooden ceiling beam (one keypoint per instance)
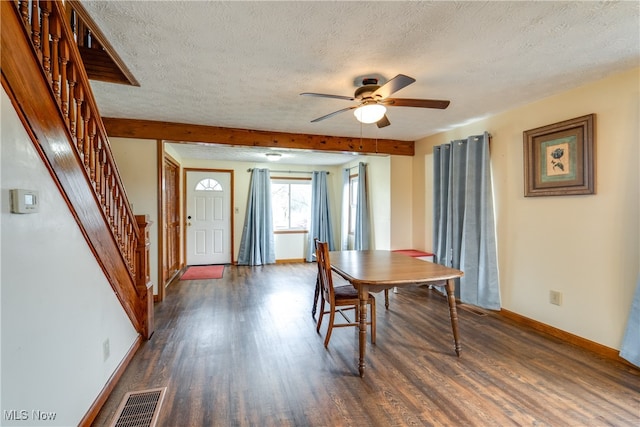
(179, 132)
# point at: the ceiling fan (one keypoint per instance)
(373, 100)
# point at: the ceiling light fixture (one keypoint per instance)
(370, 113)
(273, 157)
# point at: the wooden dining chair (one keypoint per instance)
(340, 299)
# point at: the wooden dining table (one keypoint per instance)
(377, 270)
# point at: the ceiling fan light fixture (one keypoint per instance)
(273, 157)
(370, 113)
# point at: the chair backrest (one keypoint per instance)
(324, 270)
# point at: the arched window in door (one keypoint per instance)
(208, 184)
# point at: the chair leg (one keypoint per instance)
(316, 293)
(332, 313)
(320, 315)
(386, 299)
(373, 320)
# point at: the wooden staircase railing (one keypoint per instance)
(43, 73)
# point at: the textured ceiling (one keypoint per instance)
(243, 64)
(260, 155)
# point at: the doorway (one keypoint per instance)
(208, 216)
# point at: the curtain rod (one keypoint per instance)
(277, 171)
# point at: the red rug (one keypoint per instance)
(201, 272)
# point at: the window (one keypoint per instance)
(353, 202)
(208, 184)
(291, 204)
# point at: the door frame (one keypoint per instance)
(184, 208)
(165, 225)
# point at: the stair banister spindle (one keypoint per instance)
(105, 184)
(133, 242)
(71, 73)
(64, 95)
(122, 221)
(132, 246)
(92, 152)
(24, 12)
(46, 44)
(80, 31)
(35, 27)
(129, 238)
(115, 195)
(86, 148)
(112, 194)
(100, 171)
(107, 189)
(55, 57)
(71, 19)
(79, 120)
(103, 177)
(116, 215)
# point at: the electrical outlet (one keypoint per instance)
(555, 297)
(106, 351)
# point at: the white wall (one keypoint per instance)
(586, 247)
(57, 307)
(401, 202)
(137, 164)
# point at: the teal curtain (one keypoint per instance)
(320, 226)
(464, 223)
(257, 246)
(631, 343)
(362, 237)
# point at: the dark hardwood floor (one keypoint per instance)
(243, 351)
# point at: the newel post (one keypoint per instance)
(143, 278)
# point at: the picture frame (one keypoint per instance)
(559, 159)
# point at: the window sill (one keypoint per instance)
(291, 232)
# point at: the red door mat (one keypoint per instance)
(201, 272)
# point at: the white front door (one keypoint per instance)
(208, 215)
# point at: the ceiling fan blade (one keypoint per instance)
(395, 84)
(421, 103)
(333, 114)
(383, 122)
(324, 95)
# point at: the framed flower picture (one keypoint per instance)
(559, 159)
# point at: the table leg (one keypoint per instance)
(453, 313)
(363, 296)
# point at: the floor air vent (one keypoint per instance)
(139, 408)
(473, 309)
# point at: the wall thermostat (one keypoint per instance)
(24, 201)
